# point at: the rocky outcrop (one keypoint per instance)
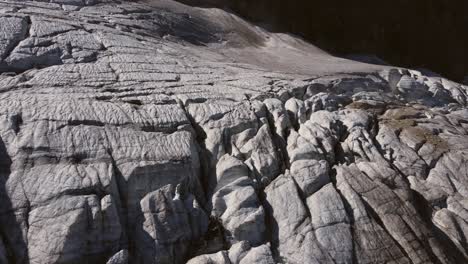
(129, 134)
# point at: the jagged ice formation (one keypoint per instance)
(153, 132)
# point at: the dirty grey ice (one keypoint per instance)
(154, 132)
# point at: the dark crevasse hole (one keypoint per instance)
(5, 161)
(135, 102)
(17, 121)
(10, 229)
(213, 240)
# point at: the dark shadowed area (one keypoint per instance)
(429, 34)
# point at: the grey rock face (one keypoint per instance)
(128, 134)
(170, 220)
(239, 253)
(90, 225)
(237, 205)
